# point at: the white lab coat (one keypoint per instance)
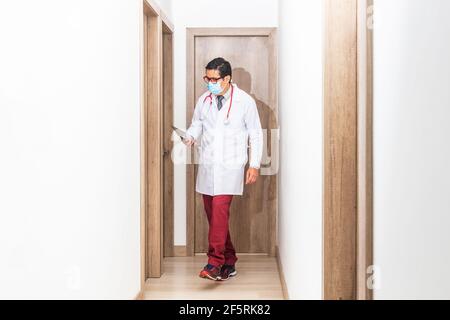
(224, 147)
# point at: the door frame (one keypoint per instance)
(168, 116)
(153, 24)
(365, 150)
(191, 34)
(348, 150)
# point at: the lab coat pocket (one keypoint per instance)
(234, 148)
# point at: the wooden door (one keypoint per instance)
(253, 216)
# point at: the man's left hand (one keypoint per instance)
(252, 175)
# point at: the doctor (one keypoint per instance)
(226, 126)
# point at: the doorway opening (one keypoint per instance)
(252, 54)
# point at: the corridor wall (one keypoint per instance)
(301, 145)
(411, 149)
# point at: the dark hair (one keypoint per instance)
(221, 65)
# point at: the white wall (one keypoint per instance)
(411, 147)
(301, 113)
(204, 13)
(69, 144)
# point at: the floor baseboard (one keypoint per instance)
(280, 271)
(140, 296)
(179, 251)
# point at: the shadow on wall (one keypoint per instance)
(264, 192)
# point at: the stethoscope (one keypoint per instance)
(226, 121)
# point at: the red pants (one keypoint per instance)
(221, 250)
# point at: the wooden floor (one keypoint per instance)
(257, 279)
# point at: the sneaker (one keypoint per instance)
(210, 272)
(227, 272)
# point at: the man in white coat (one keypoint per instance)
(225, 125)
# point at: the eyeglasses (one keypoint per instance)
(212, 80)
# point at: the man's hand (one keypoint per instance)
(252, 175)
(188, 141)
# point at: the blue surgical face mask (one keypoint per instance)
(215, 88)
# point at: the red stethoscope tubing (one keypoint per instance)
(231, 101)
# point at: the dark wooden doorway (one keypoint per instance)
(252, 54)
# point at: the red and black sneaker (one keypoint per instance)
(210, 272)
(227, 272)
